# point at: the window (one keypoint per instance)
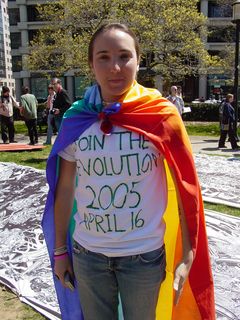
(216, 10)
(2, 65)
(80, 86)
(14, 16)
(32, 13)
(17, 63)
(32, 34)
(15, 40)
(221, 34)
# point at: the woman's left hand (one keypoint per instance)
(181, 274)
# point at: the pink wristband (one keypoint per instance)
(60, 256)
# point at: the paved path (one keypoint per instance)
(209, 145)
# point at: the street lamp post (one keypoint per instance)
(236, 19)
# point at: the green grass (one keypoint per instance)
(210, 129)
(222, 208)
(36, 159)
(20, 127)
(11, 302)
(30, 314)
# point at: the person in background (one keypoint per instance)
(50, 114)
(109, 155)
(227, 119)
(28, 105)
(61, 102)
(7, 103)
(179, 92)
(176, 100)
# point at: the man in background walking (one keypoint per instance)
(28, 109)
(61, 102)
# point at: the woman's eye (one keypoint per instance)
(103, 57)
(125, 57)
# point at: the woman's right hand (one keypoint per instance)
(62, 266)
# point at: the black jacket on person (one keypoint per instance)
(228, 115)
(61, 102)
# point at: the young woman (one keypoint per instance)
(112, 183)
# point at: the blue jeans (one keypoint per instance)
(49, 128)
(58, 121)
(101, 279)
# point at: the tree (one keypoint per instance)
(170, 34)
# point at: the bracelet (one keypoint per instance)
(60, 256)
(58, 253)
(60, 250)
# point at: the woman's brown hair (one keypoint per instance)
(106, 27)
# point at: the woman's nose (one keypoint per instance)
(115, 66)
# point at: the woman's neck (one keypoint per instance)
(108, 103)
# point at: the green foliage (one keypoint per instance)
(202, 112)
(169, 33)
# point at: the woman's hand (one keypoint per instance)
(62, 266)
(181, 274)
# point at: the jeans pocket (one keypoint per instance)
(77, 249)
(155, 256)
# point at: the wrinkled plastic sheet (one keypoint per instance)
(219, 179)
(24, 263)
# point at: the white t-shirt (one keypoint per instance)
(121, 193)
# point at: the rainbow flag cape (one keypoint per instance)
(144, 111)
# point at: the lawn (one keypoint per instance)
(210, 129)
(222, 208)
(37, 159)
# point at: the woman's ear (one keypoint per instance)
(137, 67)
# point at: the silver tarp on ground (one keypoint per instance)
(219, 179)
(24, 264)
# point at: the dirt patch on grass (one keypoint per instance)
(11, 308)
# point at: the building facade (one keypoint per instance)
(24, 23)
(6, 76)
(222, 34)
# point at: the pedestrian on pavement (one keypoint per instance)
(7, 103)
(28, 105)
(61, 102)
(113, 143)
(227, 120)
(50, 114)
(176, 99)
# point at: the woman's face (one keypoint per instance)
(114, 63)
